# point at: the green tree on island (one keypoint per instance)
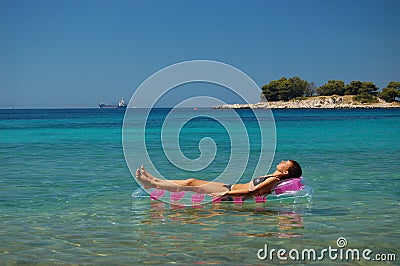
(391, 92)
(333, 87)
(285, 89)
(364, 91)
(353, 88)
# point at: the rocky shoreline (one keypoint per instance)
(319, 102)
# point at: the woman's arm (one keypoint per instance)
(238, 192)
(249, 189)
(266, 182)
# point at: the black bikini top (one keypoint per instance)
(260, 179)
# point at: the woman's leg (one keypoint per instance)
(191, 184)
(187, 182)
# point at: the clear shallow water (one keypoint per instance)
(65, 192)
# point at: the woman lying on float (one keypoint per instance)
(260, 186)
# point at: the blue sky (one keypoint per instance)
(79, 53)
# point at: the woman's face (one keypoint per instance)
(284, 166)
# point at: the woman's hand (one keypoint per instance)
(217, 195)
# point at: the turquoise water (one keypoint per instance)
(65, 191)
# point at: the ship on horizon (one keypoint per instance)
(121, 104)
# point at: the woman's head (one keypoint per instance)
(289, 169)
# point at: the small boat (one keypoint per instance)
(121, 104)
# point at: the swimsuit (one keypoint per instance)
(228, 186)
(259, 180)
(256, 181)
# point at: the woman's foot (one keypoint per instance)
(144, 180)
(147, 174)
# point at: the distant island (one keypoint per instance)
(323, 102)
(297, 93)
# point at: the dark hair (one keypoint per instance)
(294, 170)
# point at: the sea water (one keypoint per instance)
(65, 192)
